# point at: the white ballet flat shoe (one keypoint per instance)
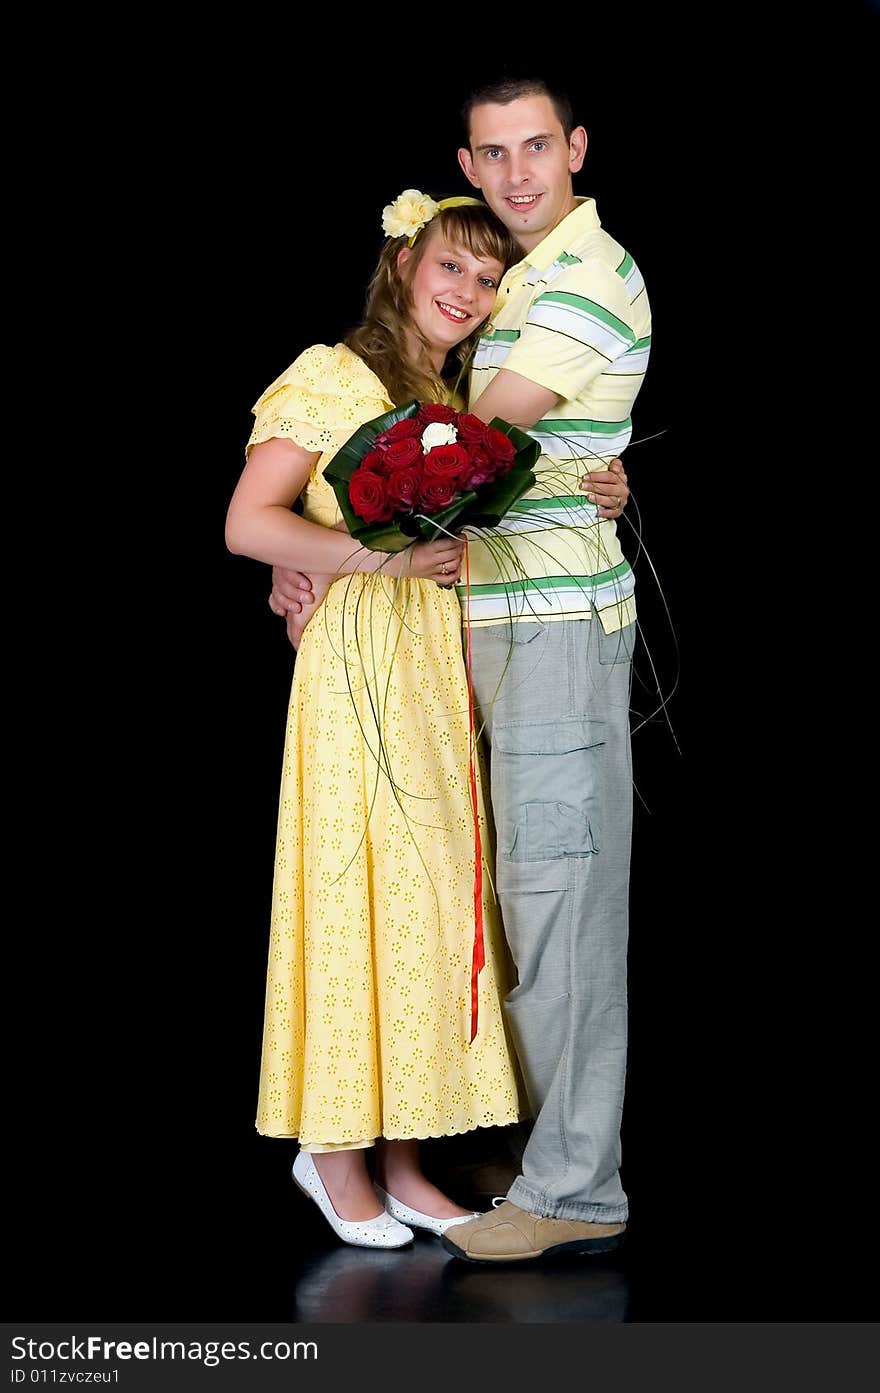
(382, 1232)
(416, 1220)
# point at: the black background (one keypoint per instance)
(229, 217)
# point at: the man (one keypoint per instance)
(552, 640)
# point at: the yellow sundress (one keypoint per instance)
(368, 1002)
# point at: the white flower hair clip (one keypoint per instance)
(412, 210)
(408, 214)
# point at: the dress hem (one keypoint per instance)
(353, 1142)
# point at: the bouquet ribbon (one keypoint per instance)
(478, 959)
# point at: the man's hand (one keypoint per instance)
(307, 609)
(296, 597)
(608, 488)
(290, 591)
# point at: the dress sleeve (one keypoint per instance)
(319, 401)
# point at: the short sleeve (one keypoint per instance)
(575, 330)
(320, 400)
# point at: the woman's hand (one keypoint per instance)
(290, 591)
(439, 561)
(607, 488)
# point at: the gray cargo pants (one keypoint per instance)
(557, 733)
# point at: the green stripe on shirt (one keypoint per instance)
(581, 303)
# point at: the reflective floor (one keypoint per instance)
(150, 1214)
(210, 1234)
(225, 1235)
(423, 1283)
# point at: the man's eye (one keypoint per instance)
(490, 154)
(539, 145)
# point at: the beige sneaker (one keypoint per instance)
(511, 1234)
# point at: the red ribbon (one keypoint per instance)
(479, 954)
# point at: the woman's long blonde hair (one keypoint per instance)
(382, 333)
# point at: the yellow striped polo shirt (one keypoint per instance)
(572, 316)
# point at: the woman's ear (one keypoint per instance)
(403, 257)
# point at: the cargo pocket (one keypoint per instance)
(513, 633)
(617, 647)
(546, 793)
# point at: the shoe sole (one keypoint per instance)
(578, 1245)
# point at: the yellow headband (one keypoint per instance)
(413, 210)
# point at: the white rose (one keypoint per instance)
(438, 433)
(408, 213)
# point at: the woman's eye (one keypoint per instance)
(449, 265)
(487, 283)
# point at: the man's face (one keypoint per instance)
(521, 160)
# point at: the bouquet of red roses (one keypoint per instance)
(424, 470)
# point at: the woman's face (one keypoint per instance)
(452, 291)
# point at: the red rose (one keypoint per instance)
(436, 493)
(500, 446)
(483, 468)
(373, 463)
(433, 411)
(403, 430)
(471, 429)
(404, 488)
(367, 495)
(447, 462)
(403, 454)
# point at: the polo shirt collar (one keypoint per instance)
(579, 221)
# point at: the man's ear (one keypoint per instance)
(467, 164)
(577, 149)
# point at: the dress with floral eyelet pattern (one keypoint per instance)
(368, 1003)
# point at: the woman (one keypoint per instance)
(368, 1010)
